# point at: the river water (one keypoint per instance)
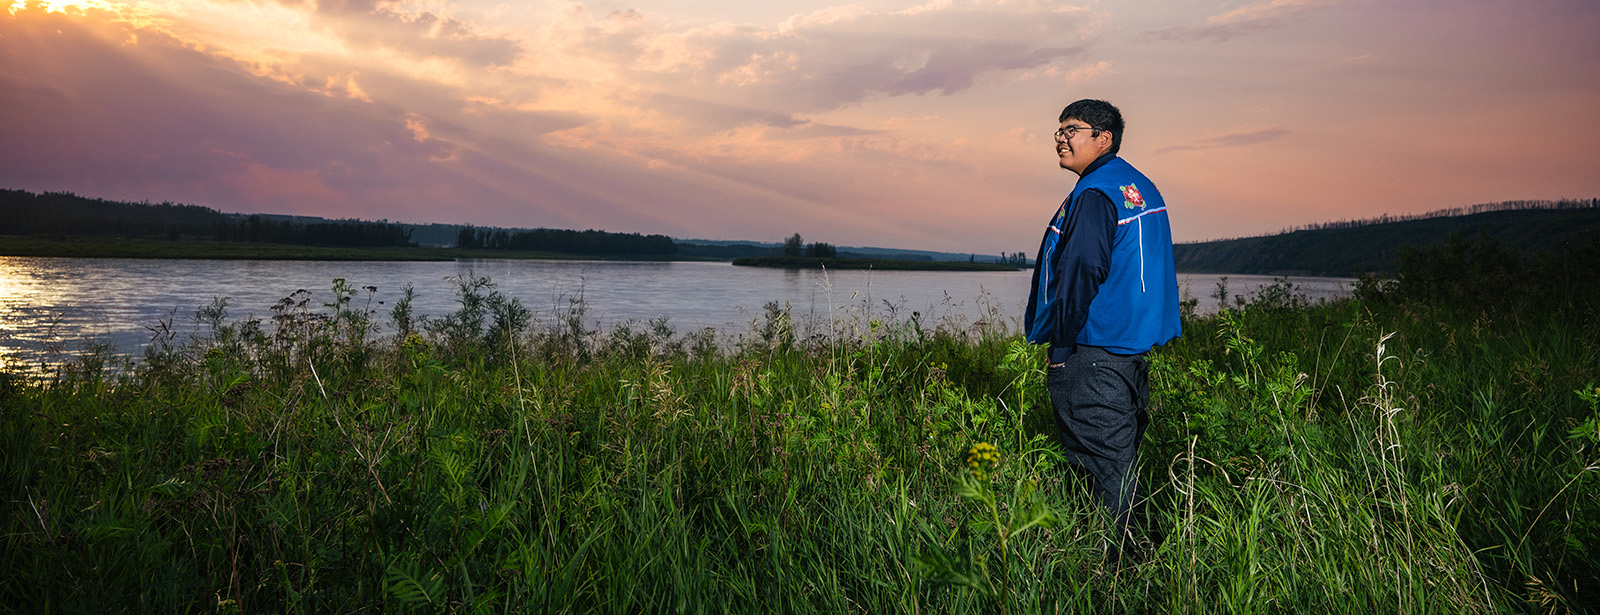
(55, 306)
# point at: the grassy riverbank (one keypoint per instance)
(1428, 446)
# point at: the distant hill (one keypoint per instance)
(1373, 246)
(63, 214)
(82, 221)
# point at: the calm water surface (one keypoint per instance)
(69, 303)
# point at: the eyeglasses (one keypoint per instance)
(1066, 133)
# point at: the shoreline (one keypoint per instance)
(75, 247)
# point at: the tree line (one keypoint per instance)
(67, 214)
(1376, 248)
(1448, 212)
(64, 213)
(571, 242)
(796, 245)
(351, 234)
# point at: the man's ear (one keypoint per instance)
(1104, 141)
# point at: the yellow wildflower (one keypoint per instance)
(983, 459)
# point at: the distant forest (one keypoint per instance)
(1449, 212)
(569, 242)
(1377, 245)
(65, 214)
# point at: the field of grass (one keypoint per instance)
(1428, 446)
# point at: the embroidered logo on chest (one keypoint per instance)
(1131, 198)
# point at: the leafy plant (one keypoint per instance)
(1025, 509)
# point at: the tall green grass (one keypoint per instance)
(1403, 451)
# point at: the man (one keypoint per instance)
(1104, 293)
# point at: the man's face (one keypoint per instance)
(1078, 145)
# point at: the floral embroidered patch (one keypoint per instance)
(1131, 198)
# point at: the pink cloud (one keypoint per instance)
(88, 110)
(1242, 21)
(371, 23)
(837, 57)
(632, 120)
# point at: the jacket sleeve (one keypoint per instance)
(1083, 263)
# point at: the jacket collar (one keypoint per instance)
(1098, 162)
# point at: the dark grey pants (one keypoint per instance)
(1100, 400)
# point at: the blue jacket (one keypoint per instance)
(1121, 294)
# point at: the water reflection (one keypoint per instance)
(66, 304)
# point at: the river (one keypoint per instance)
(50, 307)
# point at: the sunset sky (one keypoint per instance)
(893, 123)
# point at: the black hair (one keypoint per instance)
(1099, 115)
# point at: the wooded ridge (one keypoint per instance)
(1353, 248)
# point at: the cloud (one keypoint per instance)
(160, 119)
(835, 57)
(354, 109)
(109, 110)
(375, 24)
(1235, 139)
(1241, 21)
(353, 25)
(806, 129)
(1089, 73)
